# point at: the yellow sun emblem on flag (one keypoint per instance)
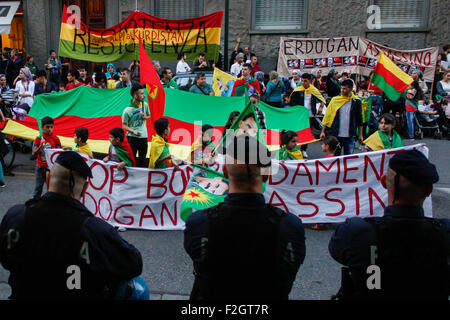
(152, 91)
(198, 196)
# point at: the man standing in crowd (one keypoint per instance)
(47, 241)
(309, 96)
(343, 116)
(244, 248)
(201, 87)
(236, 51)
(237, 66)
(410, 252)
(126, 82)
(72, 77)
(133, 122)
(255, 65)
(247, 54)
(53, 65)
(42, 84)
(201, 64)
(167, 81)
(246, 81)
(84, 78)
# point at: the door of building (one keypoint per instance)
(93, 15)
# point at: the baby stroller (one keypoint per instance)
(422, 126)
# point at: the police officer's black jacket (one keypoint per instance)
(39, 241)
(351, 242)
(232, 277)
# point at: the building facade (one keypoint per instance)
(401, 24)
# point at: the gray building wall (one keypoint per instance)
(326, 18)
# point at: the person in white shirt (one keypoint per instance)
(237, 66)
(25, 88)
(182, 66)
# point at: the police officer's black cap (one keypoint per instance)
(414, 166)
(248, 150)
(73, 161)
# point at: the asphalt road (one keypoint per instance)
(168, 269)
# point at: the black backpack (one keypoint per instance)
(241, 255)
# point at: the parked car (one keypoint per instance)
(186, 80)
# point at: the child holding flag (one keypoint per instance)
(386, 137)
(119, 150)
(289, 150)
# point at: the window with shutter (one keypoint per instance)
(403, 13)
(279, 15)
(178, 9)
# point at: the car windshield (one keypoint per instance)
(186, 81)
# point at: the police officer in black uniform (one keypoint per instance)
(410, 251)
(244, 248)
(55, 248)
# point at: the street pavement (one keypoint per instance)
(167, 267)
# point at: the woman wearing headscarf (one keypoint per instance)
(295, 81)
(111, 71)
(417, 75)
(274, 90)
(333, 86)
(25, 88)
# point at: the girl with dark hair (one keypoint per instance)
(385, 137)
(331, 147)
(288, 146)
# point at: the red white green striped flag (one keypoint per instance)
(390, 78)
(99, 110)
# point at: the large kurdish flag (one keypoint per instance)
(390, 78)
(101, 109)
(163, 38)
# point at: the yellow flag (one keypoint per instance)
(222, 83)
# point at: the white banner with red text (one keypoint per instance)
(325, 190)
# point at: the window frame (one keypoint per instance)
(425, 21)
(254, 30)
(153, 6)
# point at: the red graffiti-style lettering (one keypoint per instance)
(144, 216)
(93, 165)
(335, 200)
(183, 178)
(161, 185)
(173, 218)
(307, 173)
(93, 200)
(307, 204)
(357, 201)
(110, 208)
(373, 194)
(346, 169)
(338, 170)
(111, 183)
(286, 174)
(280, 203)
(131, 219)
(368, 161)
